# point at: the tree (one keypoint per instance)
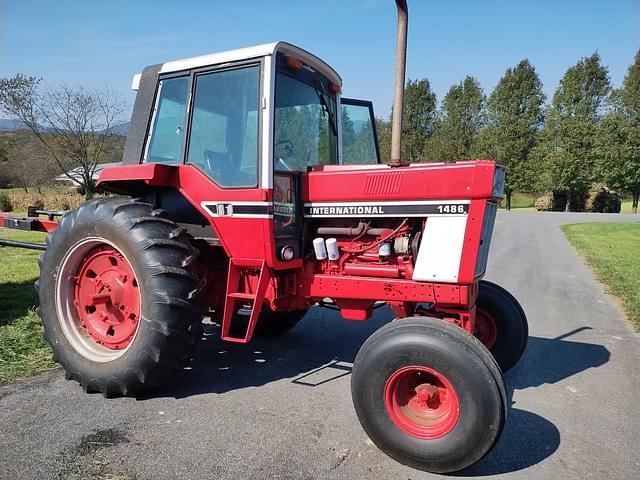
(515, 114)
(619, 137)
(619, 151)
(571, 127)
(28, 165)
(384, 139)
(72, 125)
(459, 122)
(418, 119)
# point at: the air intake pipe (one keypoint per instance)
(398, 98)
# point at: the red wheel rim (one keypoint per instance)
(107, 298)
(485, 328)
(421, 402)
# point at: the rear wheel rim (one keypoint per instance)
(422, 402)
(98, 300)
(485, 329)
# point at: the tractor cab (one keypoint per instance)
(240, 115)
(238, 130)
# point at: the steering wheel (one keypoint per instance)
(290, 147)
(288, 143)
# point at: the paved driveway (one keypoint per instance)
(282, 408)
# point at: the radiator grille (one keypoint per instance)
(382, 183)
(487, 232)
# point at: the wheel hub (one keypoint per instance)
(107, 298)
(485, 328)
(421, 402)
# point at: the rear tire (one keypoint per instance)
(428, 394)
(501, 324)
(121, 296)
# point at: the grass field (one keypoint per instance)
(52, 198)
(23, 351)
(613, 251)
(626, 206)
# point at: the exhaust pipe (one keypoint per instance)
(398, 98)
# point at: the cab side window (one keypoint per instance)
(359, 140)
(223, 140)
(165, 142)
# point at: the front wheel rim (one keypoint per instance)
(98, 300)
(421, 402)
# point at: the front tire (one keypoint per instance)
(121, 296)
(501, 324)
(428, 394)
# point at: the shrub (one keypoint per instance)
(5, 203)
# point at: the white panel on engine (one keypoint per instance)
(440, 250)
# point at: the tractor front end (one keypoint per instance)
(414, 236)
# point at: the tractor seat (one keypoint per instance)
(224, 171)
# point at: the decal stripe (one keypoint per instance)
(252, 209)
(388, 209)
(226, 208)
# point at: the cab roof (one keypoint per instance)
(257, 51)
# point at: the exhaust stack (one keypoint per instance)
(398, 98)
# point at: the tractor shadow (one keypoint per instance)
(528, 438)
(322, 348)
(17, 299)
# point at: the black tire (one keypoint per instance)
(275, 324)
(270, 324)
(509, 321)
(427, 343)
(171, 294)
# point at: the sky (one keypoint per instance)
(98, 43)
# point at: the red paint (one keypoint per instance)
(424, 181)
(36, 224)
(421, 402)
(472, 236)
(355, 309)
(107, 298)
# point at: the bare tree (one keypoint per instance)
(29, 165)
(72, 125)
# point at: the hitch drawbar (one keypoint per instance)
(30, 223)
(15, 243)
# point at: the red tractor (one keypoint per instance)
(249, 184)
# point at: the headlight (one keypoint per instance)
(498, 182)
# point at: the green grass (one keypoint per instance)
(523, 202)
(612, 250)
(23, 351)
(626, 206)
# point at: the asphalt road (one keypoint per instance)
(282, 408)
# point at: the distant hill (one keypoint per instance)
(121, 129)
(11, 125)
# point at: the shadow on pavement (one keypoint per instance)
(319, 349)
(529, 438)
(322, 348)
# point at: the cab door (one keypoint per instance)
(359, 137)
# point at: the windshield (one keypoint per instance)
(305, 132)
